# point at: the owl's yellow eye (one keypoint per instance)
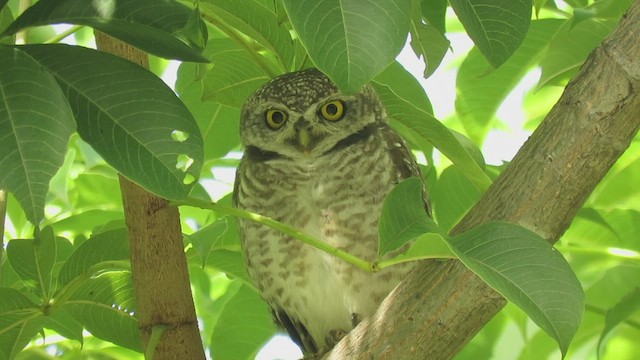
(275, 118)
(333, 110)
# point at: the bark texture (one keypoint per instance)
(158, 262)
(442, 305)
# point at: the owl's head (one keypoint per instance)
(303, 115)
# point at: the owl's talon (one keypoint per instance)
(334, 336)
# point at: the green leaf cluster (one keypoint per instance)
(49, 284)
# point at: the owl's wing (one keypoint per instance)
(404, 161)
(296, 331)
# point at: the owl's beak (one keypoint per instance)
(303, 134)
(304, 139)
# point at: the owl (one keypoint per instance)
(322, 162)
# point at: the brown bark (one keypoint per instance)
(158, 262)
(442, 305)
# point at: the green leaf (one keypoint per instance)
(497, 27)
(222, 234)
(64, 324)
(33, 260)
(427, 246)
(218, 123)
(231, 263)
(452, 197)
(150, 25)
(35, 126)
(86, 220)
(403, 217)
(599, 10)
(571, 46)
(135, 137)
(617, 189)
(243, 327)
(351, 40)
(528, 272)
(109, 245)
(234, 75)
(405, 85)
(105, 305)
(618, 314)
(435, 11)
(6, 18)
(98, 188)
(195, 30)
(429, 44)
(480, 91)
(20, 320)
(257, 21)
(431, 130)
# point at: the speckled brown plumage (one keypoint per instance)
(330, 183)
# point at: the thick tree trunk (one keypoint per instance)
(442, 305)
(158, 262)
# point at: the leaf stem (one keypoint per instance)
(59, 37)
(154, 340)
(286, 229)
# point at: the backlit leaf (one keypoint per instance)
(351, 40)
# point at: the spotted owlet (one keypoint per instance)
(322, 162)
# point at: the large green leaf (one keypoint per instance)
(480, 93)
(218, 123)
(105, 305)
(433, 131)
(404, 216)
(405, 86)
(231, 263)
(234, 75)
(452, 197)
(109, 245)
(435, 11)
(571, 46)
(244, 326)
(256, 20)
(351, 40)
(35, 125)
(20, 320)
(617, 189)
(147, 140)
(222, 234)
(528, 272)
(150, 25)
(33, 260)
(64, 324)
(497, 27)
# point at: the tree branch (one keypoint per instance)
(436, 310)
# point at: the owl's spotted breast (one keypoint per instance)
(337, 199)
